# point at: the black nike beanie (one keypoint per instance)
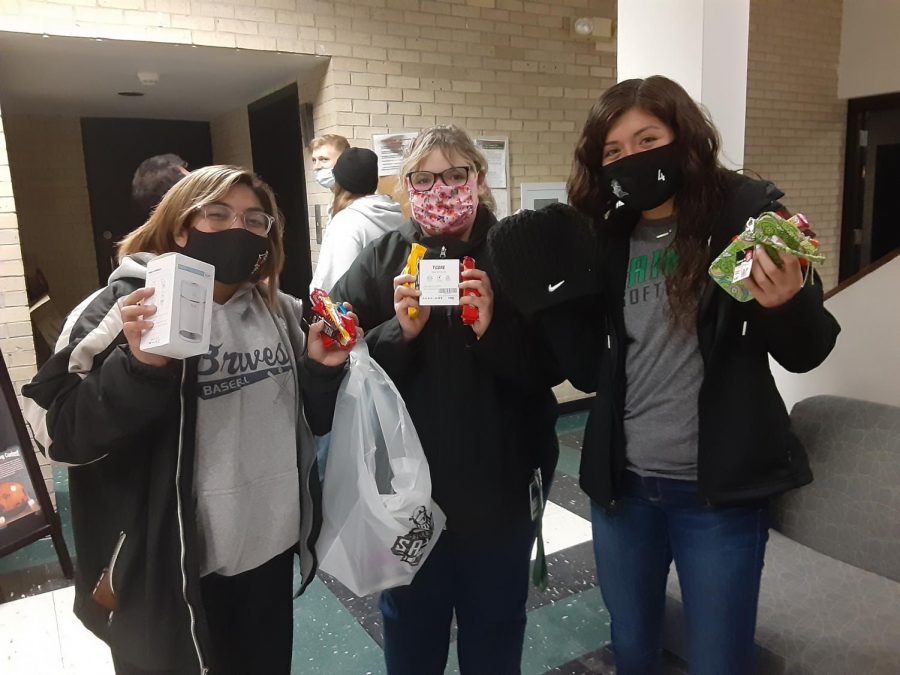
(544, 258)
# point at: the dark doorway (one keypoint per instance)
(870, 226)
(885, 207)
(278, 160)
(113, 149)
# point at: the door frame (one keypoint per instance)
(855, 157)
(297, 274)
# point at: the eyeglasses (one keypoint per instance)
(221, 217)
(423, 181)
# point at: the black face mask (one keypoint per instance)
(236, 253)
(645, 180)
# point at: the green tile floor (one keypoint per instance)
(329, 640)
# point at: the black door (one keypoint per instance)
(278, 160)
(886, 207)
(870, 226)
(113, 149)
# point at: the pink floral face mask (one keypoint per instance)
(444, 210)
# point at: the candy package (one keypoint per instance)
(340, 329)
(776, 234)
(469, 312)
(416, 253)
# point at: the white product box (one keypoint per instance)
(184, 299)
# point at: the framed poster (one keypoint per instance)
(391, 150)
(26, 513)
(496, 152)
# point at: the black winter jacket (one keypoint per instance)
(127, 432)
(747, 451)
(483, 409)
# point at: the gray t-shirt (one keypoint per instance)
(663, 366)
(246, 477)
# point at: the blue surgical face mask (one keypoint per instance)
(325, 178)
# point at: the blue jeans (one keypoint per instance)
(484, 580)
(718, 553)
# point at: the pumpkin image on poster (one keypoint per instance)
(13, 500)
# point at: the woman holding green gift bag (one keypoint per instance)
(688, 436)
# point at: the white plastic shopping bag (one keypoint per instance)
(379, 521)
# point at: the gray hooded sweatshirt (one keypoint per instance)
(349, 232)
(245, 473)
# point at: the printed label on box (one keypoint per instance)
(439, 282)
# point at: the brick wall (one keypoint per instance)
(47, 162)
(505, 67)
(312, 91)
(795, 122)
(15, 325)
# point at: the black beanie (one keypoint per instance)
(544, 258)
(356, 170)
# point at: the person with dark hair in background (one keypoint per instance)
(154, 177)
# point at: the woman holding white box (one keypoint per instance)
(194, 481)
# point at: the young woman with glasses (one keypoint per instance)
(480, 406)
(194, 483)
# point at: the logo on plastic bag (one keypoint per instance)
(411, 547)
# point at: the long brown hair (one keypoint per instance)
(181, 203)
(342, 199)
(700, 197)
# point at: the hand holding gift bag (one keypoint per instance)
(775, 234)
(380, 522)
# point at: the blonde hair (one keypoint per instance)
(447, 139)
(336, 141)
(180, 204)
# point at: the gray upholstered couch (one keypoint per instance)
(830, 596)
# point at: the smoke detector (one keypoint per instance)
(148, 79)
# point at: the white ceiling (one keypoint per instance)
(82, 77)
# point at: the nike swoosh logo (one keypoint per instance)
(553, 287)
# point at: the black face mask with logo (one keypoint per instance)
(645, 180)
(236, 253)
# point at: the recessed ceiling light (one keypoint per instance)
(131, 93)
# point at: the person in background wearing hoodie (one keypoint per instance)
(358, 215)
(194, 482)
(324, 151)
(482, 409)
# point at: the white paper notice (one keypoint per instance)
(495, 150)
(391, 149)
(502, 199)
(439, 281)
